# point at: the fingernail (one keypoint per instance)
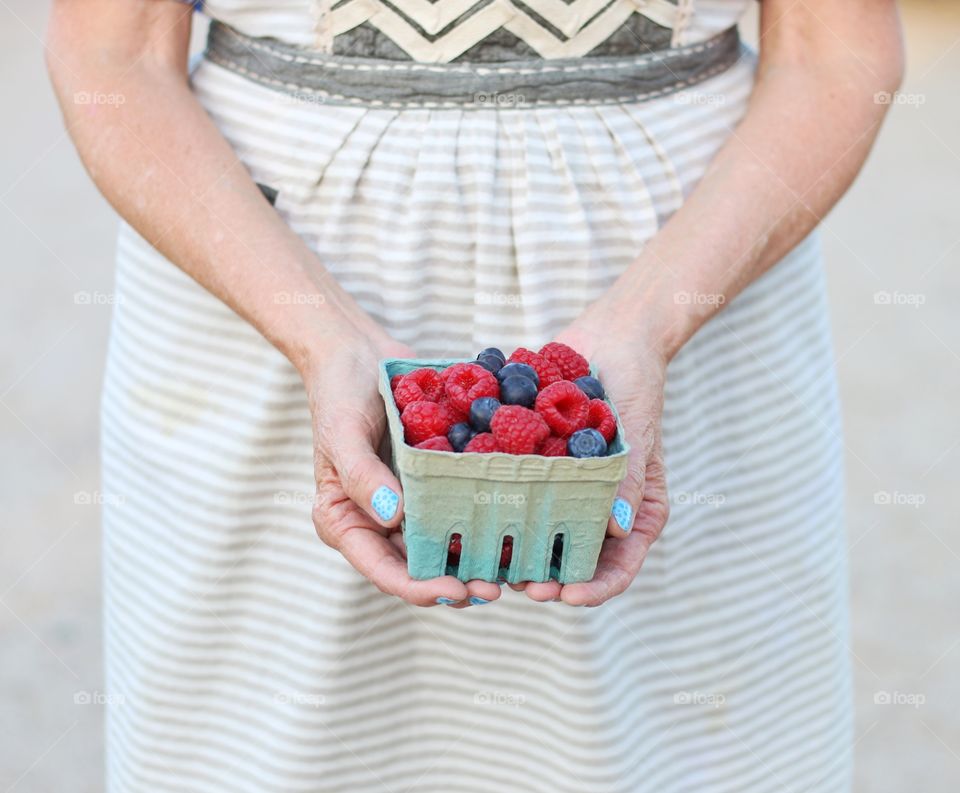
(445, 601)
(475, 601)
(385, 502)
(622, 514)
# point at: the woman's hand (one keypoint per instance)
(633, 374)
(359, 503)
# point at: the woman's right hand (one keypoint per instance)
(359, 503)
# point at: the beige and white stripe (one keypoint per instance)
(248, 657)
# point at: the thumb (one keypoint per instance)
(367, 481)
(630, 494)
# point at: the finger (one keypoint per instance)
(378, 559)
(368, 482)
(655, 509)
(629, 495)
(543, 591)
(620, 561)
(479, 592)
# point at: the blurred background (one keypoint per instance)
(892, 249)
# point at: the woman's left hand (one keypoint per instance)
(633, 373)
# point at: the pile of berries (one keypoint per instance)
(542, 403)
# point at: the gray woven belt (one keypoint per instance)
(341, 80)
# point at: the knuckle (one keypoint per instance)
(353, 475)
(662, 512)
(636, 476)
(323, 520)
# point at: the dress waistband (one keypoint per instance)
(342, 80)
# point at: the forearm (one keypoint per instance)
(161, 162)
(810, 124)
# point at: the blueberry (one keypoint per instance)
(481, 411)
(587, 443)
(518, 390)
(590, 386)
(521, 369)
(460, 435)
(490, 362)
(494, 353)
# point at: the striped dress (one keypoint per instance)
(244, 655)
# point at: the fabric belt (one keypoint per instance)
(311, 77)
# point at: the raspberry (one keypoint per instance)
(570, 363)
(423, 420)
(482, 442)
(506, 551)
(420, 385)
(457, 414)
(464, 382)
(600, 417)
(553, 446)
(547, 371)
(438, 443)
(394, 380)
(518, 430)
(564, 407)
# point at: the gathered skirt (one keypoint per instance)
(245, 655)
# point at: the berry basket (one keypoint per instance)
(554, 509)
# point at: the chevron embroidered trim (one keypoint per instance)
(441, 31)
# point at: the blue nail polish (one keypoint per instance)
(385, 502)
(475, 601)
(445, 601)
(622, 514)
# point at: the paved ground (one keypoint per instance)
(895, 234)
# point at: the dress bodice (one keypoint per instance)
(445, 31)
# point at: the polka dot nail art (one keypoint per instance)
(622, 514)
(385, 502)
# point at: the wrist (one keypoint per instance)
(357, 341)
(657, 309)
(644, 318)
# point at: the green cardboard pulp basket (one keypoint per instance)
(555, 509)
